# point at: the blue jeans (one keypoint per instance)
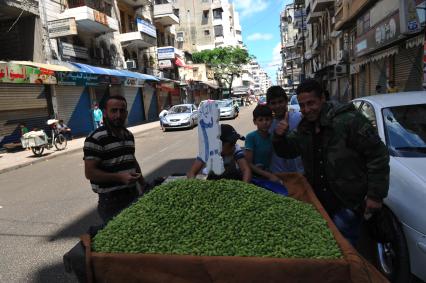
(348, 223)
(98, 124)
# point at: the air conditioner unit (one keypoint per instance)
(340, 69)
(179, 39)
(342, 55)
(131, 64)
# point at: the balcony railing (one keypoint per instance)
(99, 6)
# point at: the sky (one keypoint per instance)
(260, 21)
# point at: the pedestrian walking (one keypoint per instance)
(344, 159)
(97, 116)
(110, 162)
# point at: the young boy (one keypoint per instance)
(277, 100)
(236, 167)
(258, 145)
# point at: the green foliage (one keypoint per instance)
(218, 218)
(226, 62)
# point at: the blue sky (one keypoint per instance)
(260, 21)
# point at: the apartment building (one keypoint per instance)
(207, 24)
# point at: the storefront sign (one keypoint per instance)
(146, 27)
(165, 64)
(166, 53)
(14, 73)
(410, 23)
(132, 82)
(78, 78)
(383, 34)
(74, 51)
(100, 17)
(62, 27)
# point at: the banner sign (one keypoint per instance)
(209, 144)
(132, 82)
(63, 27)
(166, 53)
(15, 73)
(410, 23)
(146, 27)
(70, 50)
(81, 79)
(165, 64)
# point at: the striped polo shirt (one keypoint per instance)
(116, 155)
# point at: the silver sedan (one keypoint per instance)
(180, 116)
(400, 119)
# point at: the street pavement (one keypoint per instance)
(46, 203)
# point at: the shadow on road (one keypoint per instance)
(53, 273)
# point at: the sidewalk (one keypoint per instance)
(15, 160)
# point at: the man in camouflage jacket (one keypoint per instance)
(344, 159)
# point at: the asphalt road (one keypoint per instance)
(45, 207)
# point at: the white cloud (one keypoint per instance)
(259, 36)
(275, 63)
(250, 7)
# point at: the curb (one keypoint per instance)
(65, 152)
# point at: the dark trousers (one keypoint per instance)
(110, 204)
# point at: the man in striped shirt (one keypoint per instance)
(110, 163)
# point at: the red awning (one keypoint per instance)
(180, 63)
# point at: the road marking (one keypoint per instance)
(164, 149)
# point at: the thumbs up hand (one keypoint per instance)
(282, 126)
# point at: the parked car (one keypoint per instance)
(400, 119)
(227, 109)
(293, 104)
(180, 116)
(262, 100)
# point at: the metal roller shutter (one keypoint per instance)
(362, 81)
(409, 69)
(21, 103)
(134, 105)
(377, 76)
(74, 108)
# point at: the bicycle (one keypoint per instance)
(38, 140)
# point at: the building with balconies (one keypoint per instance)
(20, 40)
(381, 43)
(207, 24)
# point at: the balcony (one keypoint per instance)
(164, 14)
(314, 17)
(90, 16)
(137, 3)
(142, 36)
(321, 5)
(12, 8)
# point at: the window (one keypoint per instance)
(238, 32)
(205, 1)
(206, 32)
(217, 13)
(218, 30)
(205, 17)
(179, 34)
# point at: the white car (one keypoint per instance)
(400, 119)
(180, 116)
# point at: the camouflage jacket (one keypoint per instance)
(356, 160)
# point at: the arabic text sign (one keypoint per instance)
(166, 53)
(209, 144)
(75, 51)
(62, 27)
(78, 78)
(146, 27)
(15, 73)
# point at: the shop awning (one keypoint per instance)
(180, 63)
(212, 84)
(111, 72)
(57, 68)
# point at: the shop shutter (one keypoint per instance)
(134, 105)
(74, 108)
(362, 81)
(150, 102)
(377, 76)
(115, 90)
(21, 103)
(409, 69)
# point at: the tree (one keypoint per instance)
(226, 62)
